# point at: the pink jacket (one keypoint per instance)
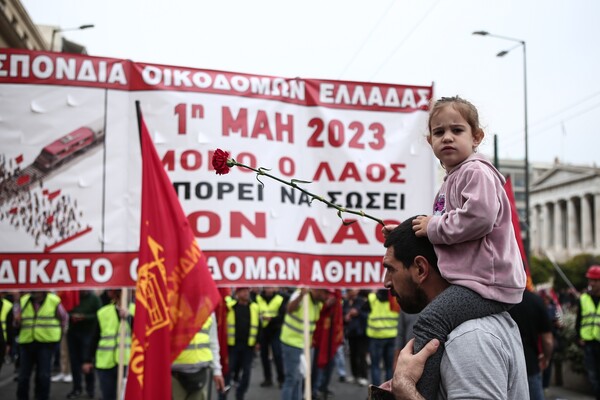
(471, 230)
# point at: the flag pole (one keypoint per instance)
(138, 113)
(125, 294)
(122, 322)
(307, 370)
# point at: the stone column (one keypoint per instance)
(572, 226)
(597, 223)
(586, 224)
(534, 228)
(545, 227)
(558, 227)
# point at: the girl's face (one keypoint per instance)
(451, 138)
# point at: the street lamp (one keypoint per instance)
(56, 30)
(502, 54)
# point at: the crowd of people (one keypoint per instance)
(264, 326)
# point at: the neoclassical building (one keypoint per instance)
(565, 212)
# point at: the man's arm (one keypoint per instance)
(295, 300)
(409, 368)
(215, 350)
(547, 348)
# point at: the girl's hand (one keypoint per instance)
(387, 229)
(420, 225)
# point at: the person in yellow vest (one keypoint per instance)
(41, 320)
(292, 338)
(382, 329)
(104, 354)
(587, 325)
(242, 332)
(192, 369)
(7, 332)
(271, 306)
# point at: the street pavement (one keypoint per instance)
(345, 391)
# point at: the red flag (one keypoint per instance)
(69, 298)
(52, 195)
(394, 306)
(221, 314)
(175, 292)
(329, 332)
(19, 159)
(517, 228)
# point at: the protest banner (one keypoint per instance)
(71, 170)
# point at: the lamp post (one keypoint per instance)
(502, 54)
(56, 30)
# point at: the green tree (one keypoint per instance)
(541, 270)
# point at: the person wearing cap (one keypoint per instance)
(587, 326)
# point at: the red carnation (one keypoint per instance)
(219, 162)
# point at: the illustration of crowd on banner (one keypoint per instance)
(70, 189)
(35, 211)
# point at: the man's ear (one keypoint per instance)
(421, 270)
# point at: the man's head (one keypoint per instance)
(411, 271)
(593, 275)
(319, 295)
(352, 294)
(38, 297)
(242, 294)
(114, 295)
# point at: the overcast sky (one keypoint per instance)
(391, 41)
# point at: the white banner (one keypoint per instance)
(71, 178)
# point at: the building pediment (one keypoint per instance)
(563, 175)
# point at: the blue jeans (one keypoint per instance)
(292, 384)
(107, 378)
(591, 362)
(271, 340)
(320, 377)
(381, 349)
(40, 355)
(536, 391)
(340, 361)
(240, 361)
(79, 344)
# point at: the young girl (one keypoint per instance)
(472, 233)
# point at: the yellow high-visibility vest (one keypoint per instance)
(382, 322)
(6, 308)
(231, 323)
(268, 309)
(43, 327)
(292, 332)
(108, 351)
(590, 318)
(198, 350)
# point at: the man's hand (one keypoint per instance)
(87, 367)
(420, 225)
(409, 368)
(219, 382)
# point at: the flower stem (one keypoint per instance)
(293, 184)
